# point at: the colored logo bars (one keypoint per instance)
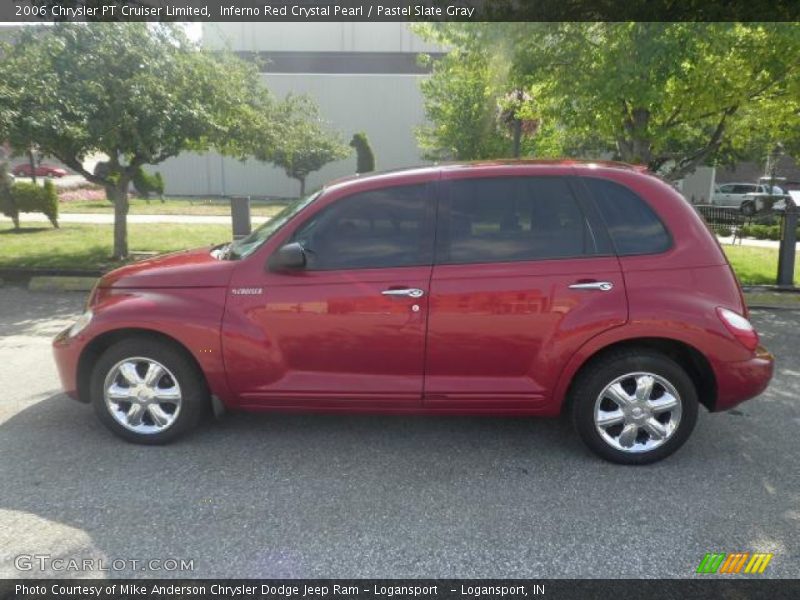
(736, 562)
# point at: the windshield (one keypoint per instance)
(247, 245)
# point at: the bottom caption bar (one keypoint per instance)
(443, 589)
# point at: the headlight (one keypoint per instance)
(80, 324)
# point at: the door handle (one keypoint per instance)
(407, 292)
(603, 286)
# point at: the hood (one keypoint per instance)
(188, 268)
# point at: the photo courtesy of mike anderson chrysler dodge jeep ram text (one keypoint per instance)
(496, 288)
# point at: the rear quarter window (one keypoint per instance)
(633, 226)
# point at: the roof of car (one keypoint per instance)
(451, 166)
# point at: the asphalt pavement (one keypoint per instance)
(371, 496)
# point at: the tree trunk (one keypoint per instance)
(32, 163)
(302, 187)
(517, 137)
(120, 191)
(635, 145)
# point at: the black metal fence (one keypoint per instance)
(723, 220)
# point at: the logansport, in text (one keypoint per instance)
(335, 10)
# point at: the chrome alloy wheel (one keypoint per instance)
(142, 395)
(637, 412)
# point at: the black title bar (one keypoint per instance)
(399, 10)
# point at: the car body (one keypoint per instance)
(758, 203)
(496, 288)
(42, 170)
(733, 194)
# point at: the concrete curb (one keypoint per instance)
(772, 300)
(49, 283)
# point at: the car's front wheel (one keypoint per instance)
(634, 406)
(147, 391)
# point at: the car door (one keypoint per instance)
(522, 278)
(349, 328)
(740, 192)
(723, 197)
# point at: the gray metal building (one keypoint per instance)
(364, 76)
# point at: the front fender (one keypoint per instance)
(189, 316)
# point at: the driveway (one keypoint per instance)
(365, 496)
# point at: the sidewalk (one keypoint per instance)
(728, 241)
(108, 219)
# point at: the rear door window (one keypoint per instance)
(503, 219)
(633, 226)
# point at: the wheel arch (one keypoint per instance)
(687, 356)
(102, 342)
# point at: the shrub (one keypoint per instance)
(365, 159)
(724, 231)
(767, 219)
(29, 197)
(6, 205)
(762, 232)
(145, 184)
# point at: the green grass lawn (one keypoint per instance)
(757, 266)
(78, 246)
(170, 206)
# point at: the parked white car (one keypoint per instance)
(755, 203)
(733, 194)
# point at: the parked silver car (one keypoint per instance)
(734, 194)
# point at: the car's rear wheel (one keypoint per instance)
(634, 406)
(748, 208)
(147, 391)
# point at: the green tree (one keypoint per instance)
(460, 100)
(669, 95)
(135, 92)
(305, 145)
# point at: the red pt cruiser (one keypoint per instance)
(502, 288)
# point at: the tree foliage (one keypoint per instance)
(669, 95)
(134, 92)
(306, 143)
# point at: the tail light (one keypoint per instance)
(740, 327)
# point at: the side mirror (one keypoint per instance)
(290, 257)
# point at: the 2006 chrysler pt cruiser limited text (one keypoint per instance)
(497, 288)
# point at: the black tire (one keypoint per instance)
(194, 395)
(594, 378)
(748, 208)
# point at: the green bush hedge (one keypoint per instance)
(145, 184)
(723, 230)
(27, 198)
(764, 232)
(365, 158)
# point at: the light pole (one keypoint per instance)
(788, 244)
